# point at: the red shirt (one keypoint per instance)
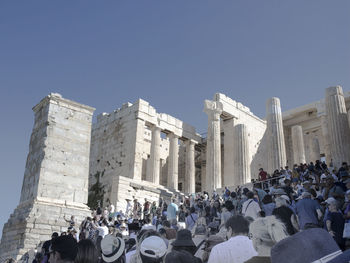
(263, 175)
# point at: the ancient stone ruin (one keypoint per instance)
(135, 152)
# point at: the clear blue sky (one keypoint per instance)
(172, 53)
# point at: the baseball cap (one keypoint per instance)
(153, 247)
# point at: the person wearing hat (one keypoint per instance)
(184, 241)
(265, 233)
(113, 249)
(238, 248)
(311, 245)
(63, 249)
(153, 250)
(308, 210)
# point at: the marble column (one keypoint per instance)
(276, 145)
(339, 131)
(190, 184)
(321, 114)
(242, 158)
(315, 149)
(229, 164)
(213, 172)
(173, 161)
(153, 166)
(203, 168)
(298, 144)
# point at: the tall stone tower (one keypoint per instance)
(56, 175)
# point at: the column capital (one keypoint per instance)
(213, 108)
(173, 135)
(190, 141)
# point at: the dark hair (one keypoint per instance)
(229, 206)
(192, 209)
(267, 199)
(233, 194)
(250, 195)
(87, 252)
(146, 259)
(166, 223)
(147, 220)
(54, 235)
(238, 224)
(284, 214)
(67, 247)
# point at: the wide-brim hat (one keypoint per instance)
(112, 248)
(311, 245)
(183, 239)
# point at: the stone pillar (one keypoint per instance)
(242, 159)
(276, 145)
(315, 149)
(203, 168)
(137, 149)
(298, 144)
(321, 114)
(173, 161)
(190, 184)
(153, 167)
(229, 164)
(55, 182)
(339, 131)
(213, 172)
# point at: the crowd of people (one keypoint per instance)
(294, 215)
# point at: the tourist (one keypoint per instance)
(335, 222)
(229, 211)
(113, 249)
(45, 249)
(63, 249)
(172, 210)
(262, 174)
(239, 248)
(148, 223)
(210, 242)
(191, 218)
(184, 243)
(250, 207)
(308, 211)
(268, 205)
(153, 250)
(288, 218)
(311, 245)
(265, 233)
(87, 252)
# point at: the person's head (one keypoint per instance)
(237, 225)
(184, 241)
(87, 252)
(329, 181)
(54, 235)
(153, 249)
(250, 195)
(265, 233)
(147, 220)
(113, 249)
(233, 195)
(166, 223)
(192, 210)
(331, 204)
(229, 206)
(267, 199)
(287, 182)
(63, 249)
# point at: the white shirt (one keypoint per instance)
(251, 208)
(237, 249)
(102, 231)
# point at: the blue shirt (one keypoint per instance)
(306, 211)
(191, 220)
(171, 211)
(268, 208)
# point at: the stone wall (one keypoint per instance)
(55, 180)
